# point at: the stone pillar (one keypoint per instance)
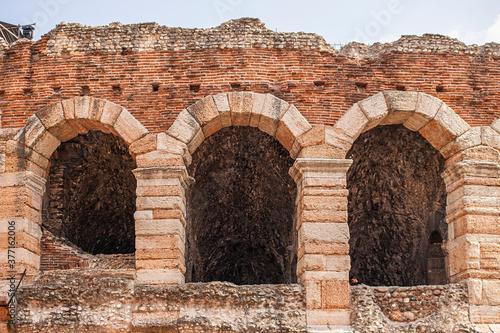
(20, 219)
(323, 240)
(473, 215)
(160, 221)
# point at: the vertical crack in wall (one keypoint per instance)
(240, 210)
(397, 202)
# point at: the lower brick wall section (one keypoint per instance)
(443, 308)
(59, 253)
(109, 301)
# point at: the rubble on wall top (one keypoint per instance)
(427, 43)
(235, 34)
(244, 33)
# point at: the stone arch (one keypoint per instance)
(264, 111)
(421, 112)
(62, 121)
(23, 183)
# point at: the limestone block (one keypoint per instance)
(149, 203)
(324, 248)
(463, 255)
(23, 241)
(144, 145)
(322, 151)
(485, 314)
(338, 263)
(490, 137)
(375, 109)
(259, 100)
(490, 256)
(475, 287)
(284, 138)
(353, 122)
(110, 113)
(2, 163)
(96, 108)
(154, 242)
(271, 113)
(153, 254)
(311, 232)
(23, 225)
(294, 123)
(324, 216)
(206, 113)
(40, 160)
(496, 125)
(222, 104)
(335, 294)
(143, 214)
(46, 144)
(322, 203)
(172, 145)
(31, 132)
(476, 224)
(323, 276)
(82, 107)
(425, 110)
(329, 317)
(129, 128)
(158, 158)
(445, 127)
(160, 277)
(402, 105)
(491, 292)
(180, 214)
(186, 129)
(160, 227)
(160, 191)
(313, 294)
(68, 106)
(52, 118)
(161, 264)
(311, 262)
(469, 139)
(241, 104)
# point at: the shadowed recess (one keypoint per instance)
(396, 208)
(240, 210)
(90, 197)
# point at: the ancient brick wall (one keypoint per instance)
(155, 72)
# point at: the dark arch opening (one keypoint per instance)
(397, 199)
(241, 210)
(89, 201)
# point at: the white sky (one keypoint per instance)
(338, 21)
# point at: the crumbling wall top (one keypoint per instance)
(235, 34)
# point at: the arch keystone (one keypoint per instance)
(271, 114)
(425, 110)
(222, 103)
(241, 104)
(402, 105)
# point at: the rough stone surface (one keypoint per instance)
(91, 194)
(240, 210)
(396, 200)
(440, 309)
(109, 301)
